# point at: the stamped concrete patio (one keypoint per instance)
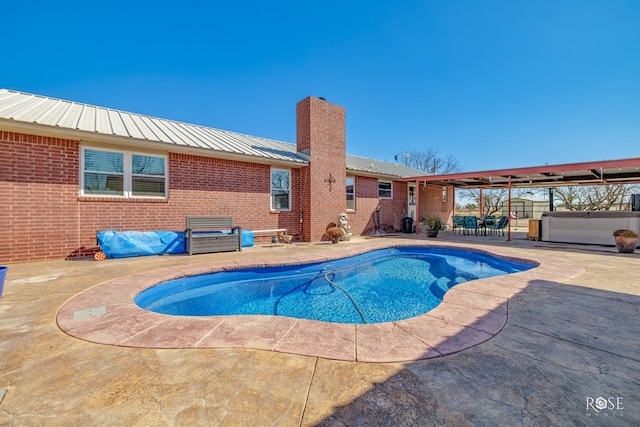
(557, 345)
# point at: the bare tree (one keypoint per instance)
(430, 161)
(573, 198)
(147, 165)
(492, 200)
(595, 197)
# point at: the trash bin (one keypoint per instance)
(407, 225)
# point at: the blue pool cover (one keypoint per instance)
(124, 244)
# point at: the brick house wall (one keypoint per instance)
(362, 220)
(43, 217)
(430, 202)
(392, 211)
(38, 190)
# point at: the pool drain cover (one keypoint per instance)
(89, 312)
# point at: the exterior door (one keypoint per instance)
(411, 201)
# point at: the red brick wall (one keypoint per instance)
(43, 217)
(198, 186)
(391, 211)
(38, 190)
(321, 129)
(430, 203)
(208, 186)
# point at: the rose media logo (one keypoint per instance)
(605, 406)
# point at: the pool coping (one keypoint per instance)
(471, 313)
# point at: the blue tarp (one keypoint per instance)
(247, 238)
(123, 244)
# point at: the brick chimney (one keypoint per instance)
(321, 134)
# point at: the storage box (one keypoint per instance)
(535, 229)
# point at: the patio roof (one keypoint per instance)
(623, 171)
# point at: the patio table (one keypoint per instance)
(483, 222)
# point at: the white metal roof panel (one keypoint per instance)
(71, 117)
(143, 127)
(103, 123)
(153, 126)
(192, 132)
(131, 128)
(87, 119)
(29, 113)
(54, 114)
(179, 136)
(12, 104)
(48, 107)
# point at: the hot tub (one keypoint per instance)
(588, 227)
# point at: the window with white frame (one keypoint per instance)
(351, 193)
(280, 189)
(385, 189)
(122, 174)
(444, 194)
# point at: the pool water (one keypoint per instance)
(379, 286)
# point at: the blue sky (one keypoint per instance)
(496, 84)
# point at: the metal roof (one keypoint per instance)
(89, 121)
(18, 107)
(624, 171)
(377, 167)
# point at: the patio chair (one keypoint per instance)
(471, 223)
(458, 223)
(499, 225)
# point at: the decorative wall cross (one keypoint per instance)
(330, 180)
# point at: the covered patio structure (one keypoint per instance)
(623, 171)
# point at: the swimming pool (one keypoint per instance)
(378, 286)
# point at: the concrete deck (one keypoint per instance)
(533, 348)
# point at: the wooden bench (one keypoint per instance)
(212, 234)
(275, 233)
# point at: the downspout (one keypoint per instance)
(301, 222)
(480, 206)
